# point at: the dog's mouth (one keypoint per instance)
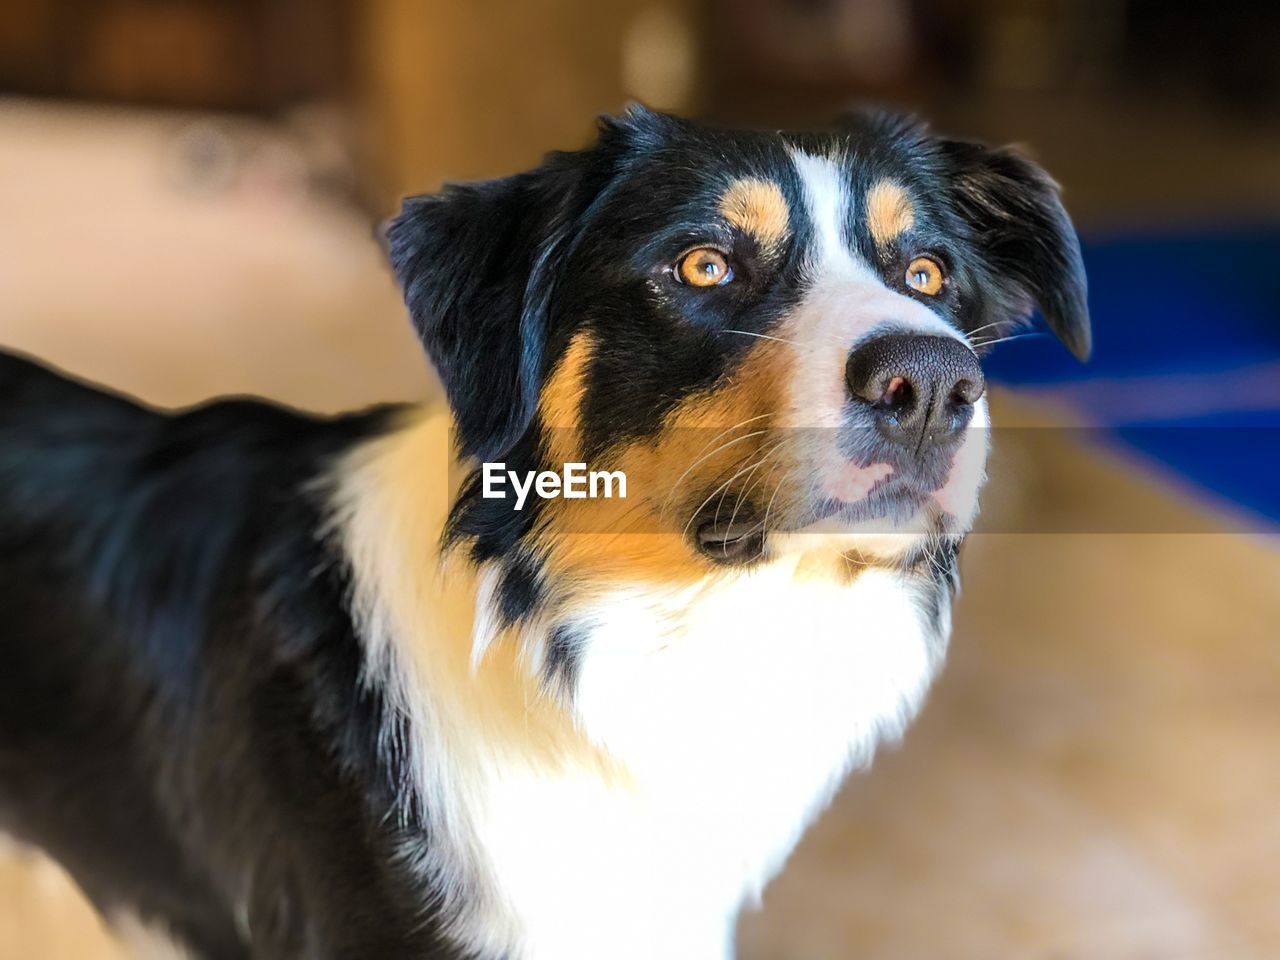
(851, 501)
(740, 537)
(731, 542)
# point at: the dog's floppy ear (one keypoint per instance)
(478, 264)
(1028, 240)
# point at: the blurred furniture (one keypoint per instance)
(438, 89)
(258, 55)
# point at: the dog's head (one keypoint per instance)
(773, 335)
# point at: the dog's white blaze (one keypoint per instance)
(827, 203)
(846, 301)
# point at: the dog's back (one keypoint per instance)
(71, 688)
(179, 680)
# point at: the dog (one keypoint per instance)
(277, 685)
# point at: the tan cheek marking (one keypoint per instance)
(758, 208)
(561, 402)
(889, 212)
(640, 540)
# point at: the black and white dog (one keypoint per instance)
(283, 686)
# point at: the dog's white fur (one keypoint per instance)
(733, 709)
(142, 940)
(709, 723)
(737, 707)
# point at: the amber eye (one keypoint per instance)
(704, 267)
(924, 275)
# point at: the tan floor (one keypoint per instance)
(1096, 774)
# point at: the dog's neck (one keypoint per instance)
(706, 724)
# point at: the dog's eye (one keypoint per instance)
(924, 275)
(704, 267)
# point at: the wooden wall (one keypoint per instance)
(458, 91)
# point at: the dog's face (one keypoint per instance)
(772, 335)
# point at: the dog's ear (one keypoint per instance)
(478, 264)
(1028, 240)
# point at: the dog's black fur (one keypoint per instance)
(179, 697)
(183, 719)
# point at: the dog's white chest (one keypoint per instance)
(736, 721)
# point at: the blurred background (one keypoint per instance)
(188, 196)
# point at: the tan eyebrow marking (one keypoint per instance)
(889, 211)
(759, 208)
(561, 402)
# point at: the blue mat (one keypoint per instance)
(1186, 364)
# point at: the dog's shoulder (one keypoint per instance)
(147, 515)
(176, 639)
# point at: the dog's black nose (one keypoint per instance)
(921, 389)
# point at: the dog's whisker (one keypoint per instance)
(742, 493)
(762, 336)
(1016, 336)
(986, 326)
(724, 446)
(776, 490)
(712, 495)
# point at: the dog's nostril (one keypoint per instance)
(897, 394)
(965, 392)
